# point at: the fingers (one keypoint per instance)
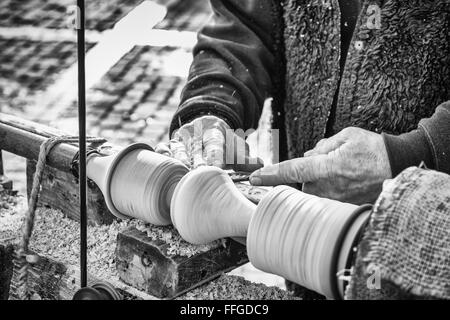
(198, 143)
(298, 170)
(174, 149)
(214, 147)
(209, 140)
(178, 149)
(197, 153)
(164, 149)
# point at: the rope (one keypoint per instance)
(25, 259)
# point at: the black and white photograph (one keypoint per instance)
(224, 156)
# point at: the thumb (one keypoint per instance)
(297, 170)
(163, 148)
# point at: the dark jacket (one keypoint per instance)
(394, 75)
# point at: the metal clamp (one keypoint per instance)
(75, 164)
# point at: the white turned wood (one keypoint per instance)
(294, 235)
(97, 168)
(207, 206)
(137, 182)
(301, 237)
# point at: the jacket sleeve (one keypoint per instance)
(430, 144)
(233, 62)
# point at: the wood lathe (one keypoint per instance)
(303, 238)
(171, 266)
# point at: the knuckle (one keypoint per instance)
(321, 142)
(350, 131)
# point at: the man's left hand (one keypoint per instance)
(350, 166)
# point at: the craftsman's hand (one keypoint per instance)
(350, 166)
(209, 140)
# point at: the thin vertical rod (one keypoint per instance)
(82, 141)
(1, 165)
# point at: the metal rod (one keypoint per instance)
(1, 165)
(82, 141)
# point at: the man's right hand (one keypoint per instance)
(208, 140)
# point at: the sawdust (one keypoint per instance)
(176, 244)
(228, 287)
(56, 236)
(10, 206)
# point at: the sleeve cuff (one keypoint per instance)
(407, 150)
(198, 107)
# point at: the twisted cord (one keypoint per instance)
(24, 259)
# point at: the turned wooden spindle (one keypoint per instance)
(207, 206)
(137, 182)
(304, 238)
(301, 237)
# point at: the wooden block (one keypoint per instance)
(54, 280)
(4, 181)
(146, 264)
(60, 191)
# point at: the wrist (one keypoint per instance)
(204, 106)
(407, 150)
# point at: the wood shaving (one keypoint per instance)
(176, 245)
(228, 287)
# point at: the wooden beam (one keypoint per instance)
(24, 139)
(59, 186)
(148, 265)
(30, 126)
